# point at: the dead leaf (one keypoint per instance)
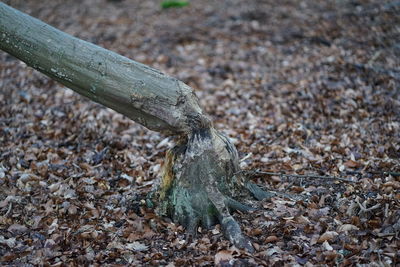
(302, 219)
(17, 229)
(221, 256)
(271, 239)
(351, 164)
(327, 246)
(347, 227)
(137, 246)
(327, 236)
(10, 242)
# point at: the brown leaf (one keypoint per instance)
(327, 236)
(9, 257)
(134, 237)
(347, 227)
(351, 164)
(351, 247)
(303, 220)
(271, 239)
(255, 232)
(297, 189)
(221, 256)
(17, 229)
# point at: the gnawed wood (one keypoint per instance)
(201, 185)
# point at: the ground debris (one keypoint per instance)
(302, 87)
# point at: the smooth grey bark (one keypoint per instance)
(201, 181)
(146, 95)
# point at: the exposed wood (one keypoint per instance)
(147, 96)
(204, 187)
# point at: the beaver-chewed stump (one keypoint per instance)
(201, 181)
(201, 184)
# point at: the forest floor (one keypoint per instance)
(301, 87)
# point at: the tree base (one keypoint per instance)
(202, 183)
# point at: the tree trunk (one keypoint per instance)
(201, 181)
(146, 95)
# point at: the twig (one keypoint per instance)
(386, 210)
(374, 172)
(365, 209)
(302, 176)
(385, 234)
(9, 210)
(374, 57)
(290, 196)
(246, 157)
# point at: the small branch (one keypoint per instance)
(374, 173)
(374, 57)
(246, 157)
(313, 176)
(386, 210)
(365, 209)
(9, 210)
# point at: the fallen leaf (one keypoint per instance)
(10, 242)
(137, 246)
(303, 220)
(327, 236)
(223, 255)
(351, 164)
(327, 246)
(271, 239)
(17, 229)
(347, 227)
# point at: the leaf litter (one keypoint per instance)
(303, 87)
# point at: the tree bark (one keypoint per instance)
(201, 181)
(146, 95)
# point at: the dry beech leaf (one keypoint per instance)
(137, 246)
(302, 219)
(223, 255)
(327, 246)
(327, 236)
(351, 164)
(10, 242)
(347, 227)
(115, 245)
(17, 229)
(271, 239)
(257, 231)
(2, 172)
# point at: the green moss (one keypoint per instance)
(169, 4)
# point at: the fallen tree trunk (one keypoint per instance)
(201, 181)
(146, 95)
